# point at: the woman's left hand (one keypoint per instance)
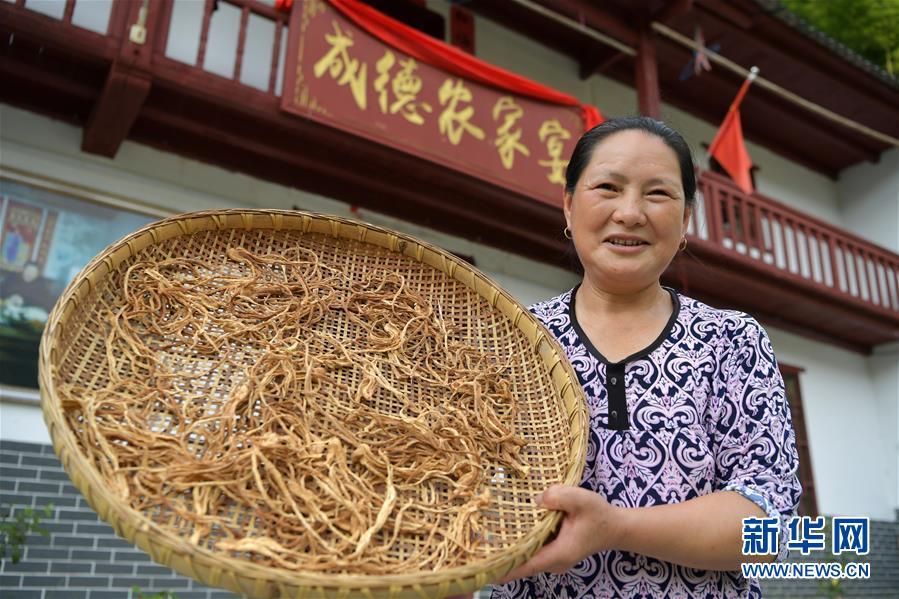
(589, 526)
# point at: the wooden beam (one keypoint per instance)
(126, 88)
(672, 9)
(649, 101)
(115, 111)
(596, 17)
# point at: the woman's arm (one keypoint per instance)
(704, 532)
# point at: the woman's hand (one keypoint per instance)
(589, 526)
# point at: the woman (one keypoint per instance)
(690, 428)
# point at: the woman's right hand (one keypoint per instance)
(590, 525)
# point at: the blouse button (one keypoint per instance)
(614, 414)
(614, 380)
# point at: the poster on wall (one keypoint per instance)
(46, 238)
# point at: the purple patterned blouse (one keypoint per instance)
(700, 410)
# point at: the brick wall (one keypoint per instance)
(84, 559)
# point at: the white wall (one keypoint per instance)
(850, 405)
(23, 423)
(884, 370)
(869, 199)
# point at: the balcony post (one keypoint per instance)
(127, 85)
(649, 100)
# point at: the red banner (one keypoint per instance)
(339, 74)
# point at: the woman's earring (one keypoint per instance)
(683, 244)
(567, 232)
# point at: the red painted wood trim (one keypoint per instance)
(241, 41)
(782, 278)
(731, 218)
(745, 225)
(809, 258)
(118, 19)
(707, 176)
(768, 240)
(117, 108)
(204, 33)
(844, 268)
(893, 281)
(836, 277)
(866, 275)
(894, 285)
(807, 255)
(790, 369)
(93, 47)
(68, 11)
(882, 293)
(162, 27)
(276, 55)
(713, 212)
(873, 277)
(462, 34)
(758, 235)
(263, 10)
(51, 82)
(595, 16)
(851, 270)
(285, 156)
(649, 100)
(800, 238)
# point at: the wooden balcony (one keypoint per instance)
(789, 267)
(206, 84)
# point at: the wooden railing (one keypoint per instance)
(240, 40)
(794, 244)
(243, 41)
(104, 18)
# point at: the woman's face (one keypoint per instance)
(627, 214)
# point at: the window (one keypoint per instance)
(809, 504)
(46, 238)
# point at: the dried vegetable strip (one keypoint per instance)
(270, 407)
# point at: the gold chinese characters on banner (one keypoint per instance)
(346, 78)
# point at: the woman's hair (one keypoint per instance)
(583, 151)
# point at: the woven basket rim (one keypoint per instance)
(159, 542)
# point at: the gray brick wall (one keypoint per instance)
(84, 559)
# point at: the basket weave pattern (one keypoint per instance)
(551, 416)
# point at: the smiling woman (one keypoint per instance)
(690, 429)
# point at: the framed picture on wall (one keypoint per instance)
(47, 235)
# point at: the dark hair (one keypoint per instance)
(583, 151)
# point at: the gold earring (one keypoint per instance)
(567, 232)
(683, 244)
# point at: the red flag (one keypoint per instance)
(728, 147)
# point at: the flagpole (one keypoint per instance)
(753, 73)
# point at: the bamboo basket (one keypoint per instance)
(552, 418)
